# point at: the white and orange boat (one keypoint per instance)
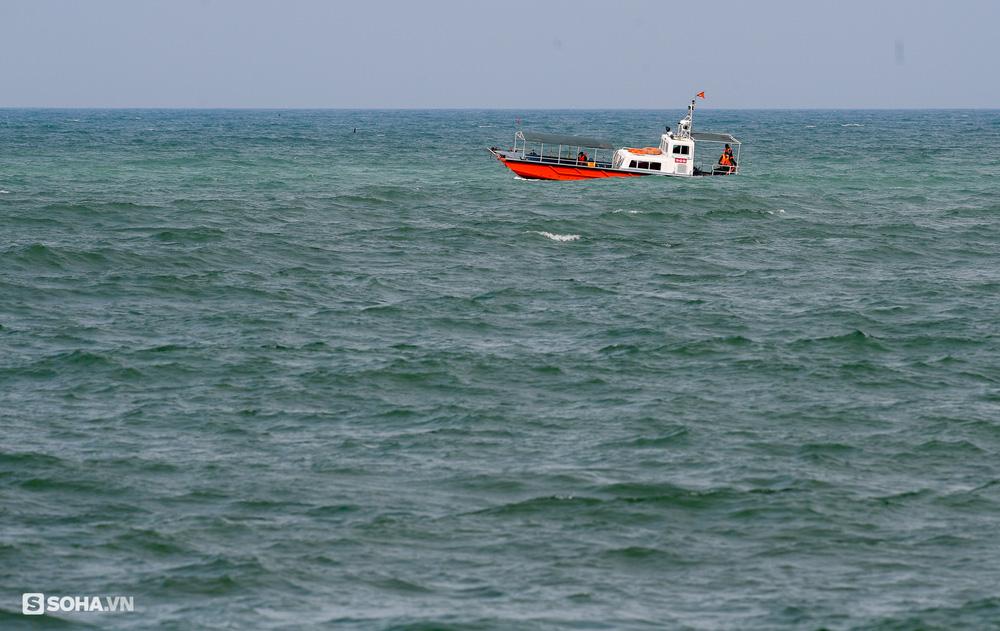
(543, 156)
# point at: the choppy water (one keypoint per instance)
(259, 371)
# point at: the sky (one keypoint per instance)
(499, 53)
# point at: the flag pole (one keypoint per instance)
(700, 95)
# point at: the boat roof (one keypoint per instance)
(559, 139)
(710, 137)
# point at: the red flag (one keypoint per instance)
(700, 95)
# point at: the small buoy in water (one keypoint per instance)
(355, 130)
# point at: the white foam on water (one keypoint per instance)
(4, 191)
(618, 211)
(810, 127)
(559, 237)
(852, 125)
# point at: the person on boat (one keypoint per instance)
(582, 157)
(727, 161)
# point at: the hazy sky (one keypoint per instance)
(497, 53)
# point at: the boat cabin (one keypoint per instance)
(674, 156)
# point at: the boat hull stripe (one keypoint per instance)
(537, 171)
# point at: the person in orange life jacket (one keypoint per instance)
(727, 159)
(581, 157)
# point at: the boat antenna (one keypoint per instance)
(688, 121)
(684, 126)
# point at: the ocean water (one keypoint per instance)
(259, 370)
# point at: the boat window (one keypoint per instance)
(656, 166)
(677, 148)
(685, 149)
(643, 165)
(631, 164)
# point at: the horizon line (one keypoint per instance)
(476, 108)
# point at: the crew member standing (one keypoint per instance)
(727, 161)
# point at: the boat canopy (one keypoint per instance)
(710, 137)
(559, 139)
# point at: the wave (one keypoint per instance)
(619, 497)
(856, 339)
(91, 207)
(36, 256)
(559, 237)
(671, 437)
(196, 234)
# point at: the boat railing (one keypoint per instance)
(716, 169)
(565, 154)
(558, 160)
(709, 150)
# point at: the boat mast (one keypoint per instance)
(684, 126)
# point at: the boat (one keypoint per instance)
(545, 156)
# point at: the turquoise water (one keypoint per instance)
(260, 371)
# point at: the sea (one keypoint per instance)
(287, 369)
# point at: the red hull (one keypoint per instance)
(536, 171)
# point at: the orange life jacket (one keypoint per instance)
(725, 160)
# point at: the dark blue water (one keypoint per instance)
(260, 371)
